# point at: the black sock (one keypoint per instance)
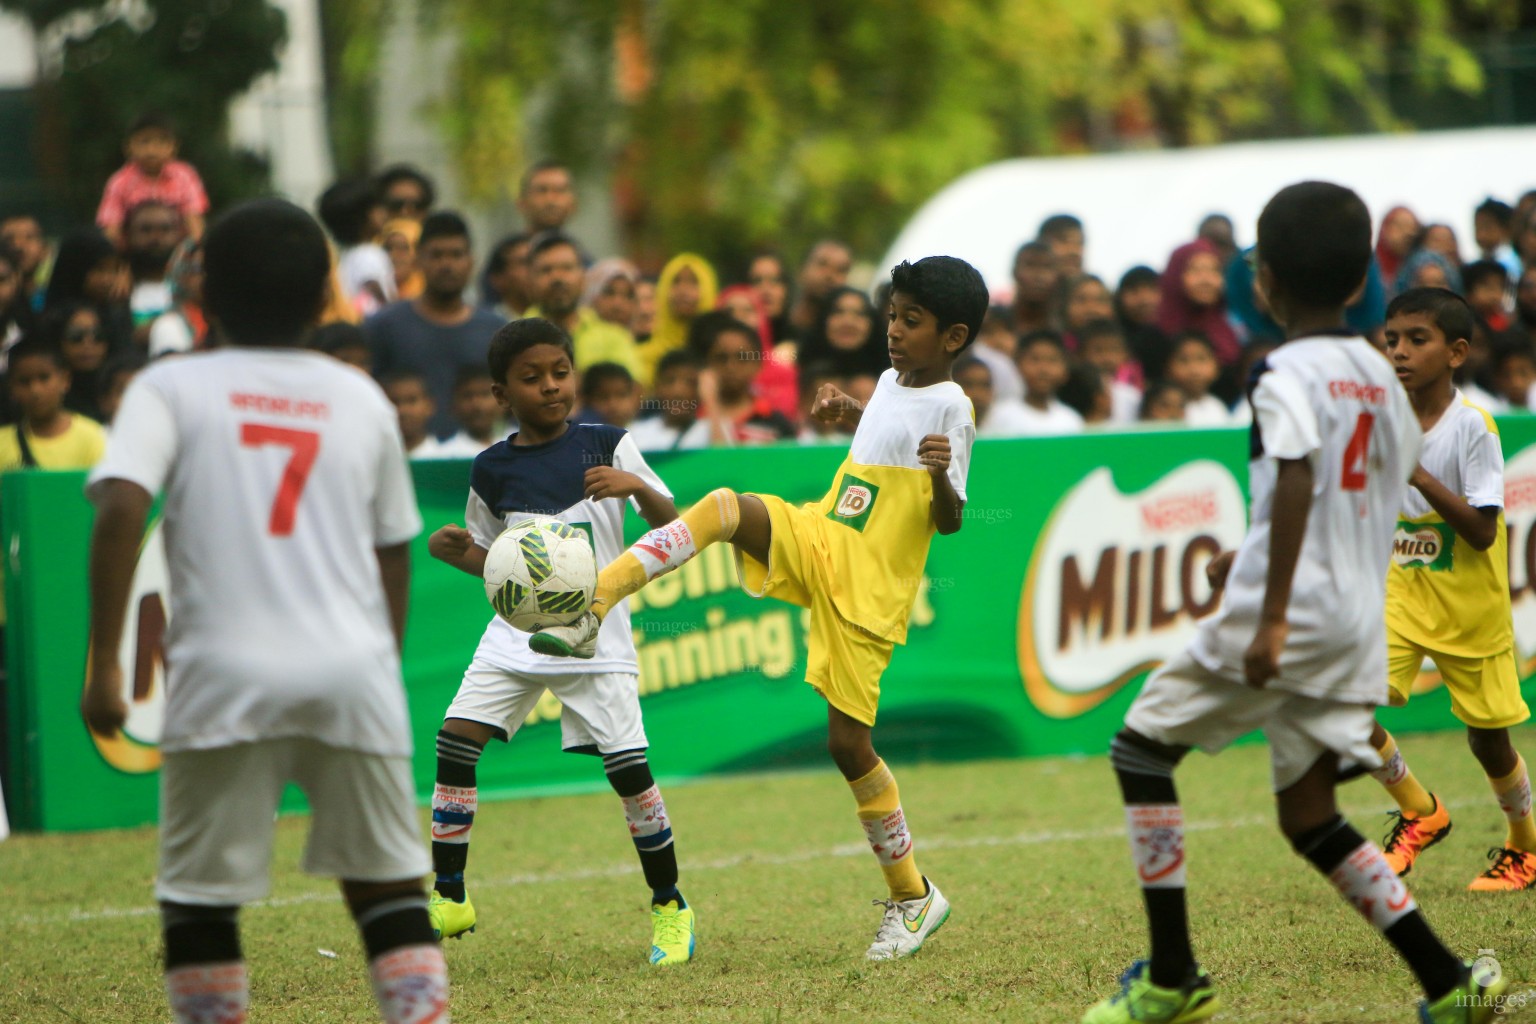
(457, 757)
(391, 922)
(630, 776)
(199, 934)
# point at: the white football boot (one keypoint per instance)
(906, 925)
(578, 640)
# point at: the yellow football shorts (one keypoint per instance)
(844, 661)
(1485, 692)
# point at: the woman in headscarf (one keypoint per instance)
(778, 383)
(848, 335)
(610, 290)
(1394, 243)
(686, 288)
(1194, 298)
(399, 239)
(1428, 269)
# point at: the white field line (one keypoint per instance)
(924, 841)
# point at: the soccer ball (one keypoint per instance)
(540, 572)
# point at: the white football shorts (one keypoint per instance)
(599, 710)
(1186, 704)
(217, 810)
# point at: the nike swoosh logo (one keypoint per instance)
(444, 833)
(1153, 876)
(915, 924)
(903, 852)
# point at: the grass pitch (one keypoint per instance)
(1031, 854)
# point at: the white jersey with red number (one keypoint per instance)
(1337, 403)
(282, 471)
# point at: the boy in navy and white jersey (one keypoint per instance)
(288, 515)
(579, 474)
(1297, 647)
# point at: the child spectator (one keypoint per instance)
(75, 330)
(478, 413)
(1102, 346)
(182, 328)
(1216, 228)
(778, 382)
(687, 287)
(1162, 402)
(1036, 277)
(47, 435)
(672, 422)
(152, 174)
(352, 213)
(116, 374)
(733, 357)
(345, 342)
(1192, 366)
(998, 347)
(815, 429)
(1475, 376)
(609, 395)
(976, 381)
(398, 238)
(22, 233)
(1194, 299)
(1043, 366)
(1084, 299)
(1487, 286)
(1064, 234)
(1086, 393)
(1514, 373)
(415, 409)
(1136, 301)
(505, 288)
(1493, 225)
(90, 269)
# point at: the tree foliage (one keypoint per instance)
(727, 125)
(104, 63)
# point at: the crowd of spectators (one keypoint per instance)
(696, 355)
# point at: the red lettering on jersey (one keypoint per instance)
(276, 405)
(1371, 394)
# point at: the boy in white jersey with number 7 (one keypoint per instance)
(1448, 591)
(288, 516)
(1297, 647)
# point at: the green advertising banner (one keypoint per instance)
(1080, 566)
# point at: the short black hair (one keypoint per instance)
(151, 120)
(1035, 246)
(816, 373)
(708, 328)
(469, 373)
(547, 240)
(998, 315)
(344, 209)
(1081, 390)
(949, 288)
(969, 363)
(1448, 311)
(407, 172)
(598, 374)
(679, 357)
(1502, 213)
(539, 167)
(496, 262)
(442, 224)
(519, 336)
(405, 376)
(1507, 349)
(1190, 336)
(1041, 336)
(1140, 276)
(332, 338)
(1153, 392)
(35, 345)
(266, 271)
(1057, 225)
(1478, 271)
(1315, 237)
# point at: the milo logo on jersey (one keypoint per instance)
(1117, 581)
(136, 749)
(1429, 546)
(855, 500)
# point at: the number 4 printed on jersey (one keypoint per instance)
(1357, 454)
(305, 447)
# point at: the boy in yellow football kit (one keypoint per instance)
(1448, 590)
(854, 558)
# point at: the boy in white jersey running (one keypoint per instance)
(1297, 647)
(580, 474)
(1448, 591)
(288, 513)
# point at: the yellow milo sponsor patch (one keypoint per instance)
(1424, 546)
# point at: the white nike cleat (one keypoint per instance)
(906, 925)
(578, 640)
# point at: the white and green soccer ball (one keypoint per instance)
(539, 573)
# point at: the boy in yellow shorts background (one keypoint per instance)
(854, 558)
(1448, 590)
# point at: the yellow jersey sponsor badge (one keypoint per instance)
(1423, 546)
(855, 500)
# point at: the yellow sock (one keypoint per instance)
(1412, 798)
(665, 548)
(886, 828)
(1514, 794)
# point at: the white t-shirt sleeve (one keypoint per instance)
(962, 436)
(143, 442)
(627, 459)
(483, 524)
(396, 517)
(1482, 467)
(1287, 422)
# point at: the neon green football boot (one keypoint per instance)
(1141, 1001)
(450, 919)
(1478, 999)
(672, 939)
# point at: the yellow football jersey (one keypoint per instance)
(1442, 593)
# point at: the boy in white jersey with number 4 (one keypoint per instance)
(288, 516)
(1448, 590)
(1296, 648)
